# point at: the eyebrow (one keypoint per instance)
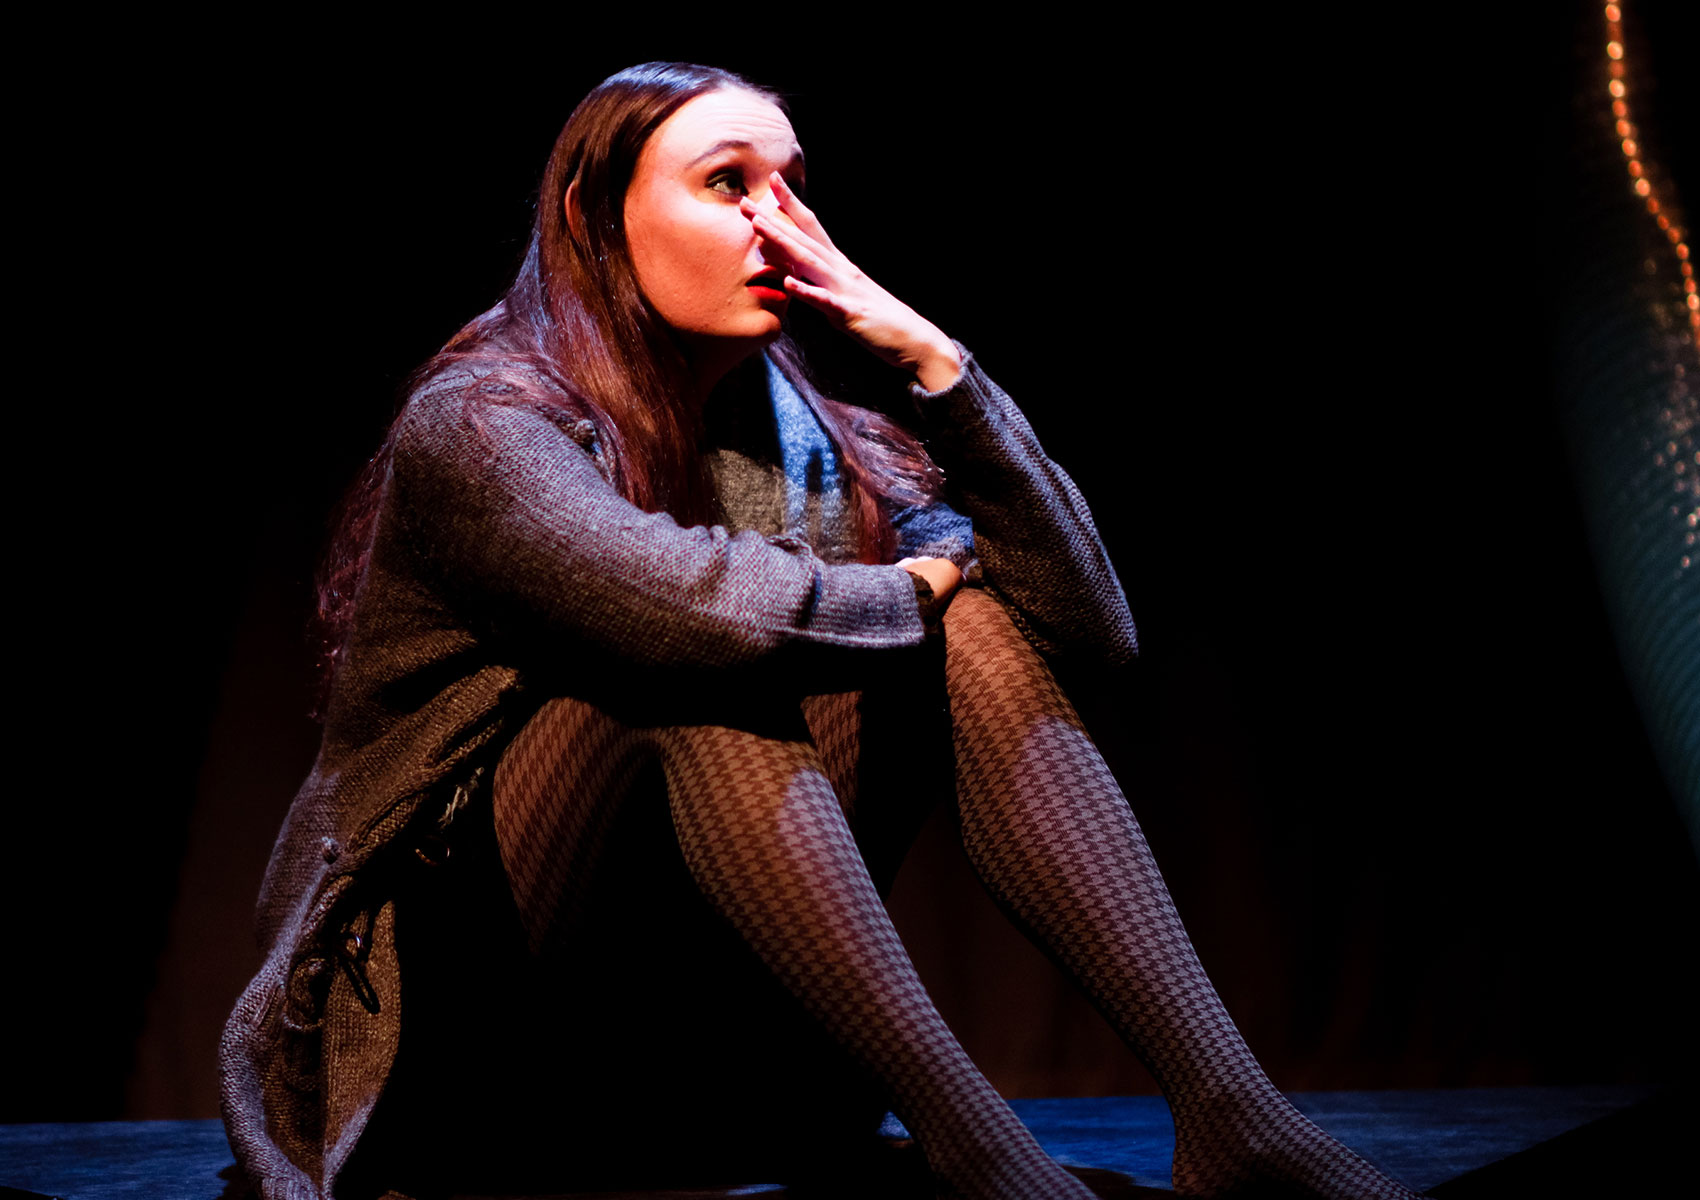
(795, 161)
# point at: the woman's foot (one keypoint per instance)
(1262, 1146)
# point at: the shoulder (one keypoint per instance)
(448, 387)
(487, 400)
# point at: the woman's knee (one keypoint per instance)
(557, 791)
(715, 772)
(568, 753)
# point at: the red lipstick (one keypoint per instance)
(768, 284)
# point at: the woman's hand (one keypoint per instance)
(820, 275)
(940, 573)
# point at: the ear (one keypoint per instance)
(575, 213)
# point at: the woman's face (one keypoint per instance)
(696, 256)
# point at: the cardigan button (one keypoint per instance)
(329, 848)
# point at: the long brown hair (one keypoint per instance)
(574, 338)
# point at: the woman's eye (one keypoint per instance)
(729, 182)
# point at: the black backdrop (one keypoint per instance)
(1270, 287)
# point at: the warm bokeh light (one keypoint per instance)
(1679, 417)
(1617, 68)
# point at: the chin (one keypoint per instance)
(751, 347)
(728, 349)
(764, 333)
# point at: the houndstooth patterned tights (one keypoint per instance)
(1056, 845)
(770, 820)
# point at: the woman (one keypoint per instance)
(617, 549)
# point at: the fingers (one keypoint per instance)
(819, 297)
(799, 212)
(819, 275)
(798, 247)
(811, 274)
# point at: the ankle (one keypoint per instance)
(995, 1161)
(1259, 1144)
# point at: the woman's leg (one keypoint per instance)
(641, 995)
(885, 752)
(1055, 843)
(764, 837)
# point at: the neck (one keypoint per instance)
(713, 364)
(746, 374)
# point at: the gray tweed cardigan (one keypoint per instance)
(506, 566)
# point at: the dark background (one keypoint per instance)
(1272, 287)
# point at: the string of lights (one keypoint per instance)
(1639, 176)
(1678, 454)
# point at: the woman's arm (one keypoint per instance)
(515, 517)
(1033, 533)
(1032, 530)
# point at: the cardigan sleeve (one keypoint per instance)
(517, 517)
(1033, 534)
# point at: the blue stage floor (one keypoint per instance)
(1582, 1141)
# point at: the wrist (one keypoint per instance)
(941, 575)
(939, 365)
